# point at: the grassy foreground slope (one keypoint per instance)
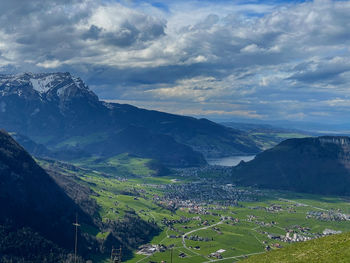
(329, 249)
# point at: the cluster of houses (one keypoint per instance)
(328, 216)
(265, 224)
(295, 237)
(274, 208)
(196, 172)
(209, 192)
(217, 254)
(189, 205)
(169, 222)
(328, 232)
(301, 234)
(198, 238)
(149, 249)
(290, 237)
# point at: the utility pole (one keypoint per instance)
(76, 238)
(116, 255)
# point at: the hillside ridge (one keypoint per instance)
(319, 165)
(60, 112)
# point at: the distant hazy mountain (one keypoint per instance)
(321, 129)
(250, 127)
(318, 165)
(60, 112)
(265, 135)
(36, 215)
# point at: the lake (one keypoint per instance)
(230, 161)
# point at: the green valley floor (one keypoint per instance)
(204, 218)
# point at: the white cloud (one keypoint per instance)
(252, 48)
(50, 64)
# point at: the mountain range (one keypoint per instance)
(266, 136)
(318, 165)
(57, 111)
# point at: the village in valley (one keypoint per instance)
(203, 217)
(213, 220)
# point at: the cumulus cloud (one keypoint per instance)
(274, 60)
(121, 26)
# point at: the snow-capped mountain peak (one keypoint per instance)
(42, 85)
(61, 85)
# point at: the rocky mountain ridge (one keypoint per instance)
(59, 111)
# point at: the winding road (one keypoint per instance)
(195, 230)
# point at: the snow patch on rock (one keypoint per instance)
(42, 85)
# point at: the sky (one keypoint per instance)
(224, 60)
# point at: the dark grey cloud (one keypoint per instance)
(92, 33)
(325, 71)
(128, 34)
(125, 36)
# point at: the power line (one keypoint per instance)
(76, 238)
